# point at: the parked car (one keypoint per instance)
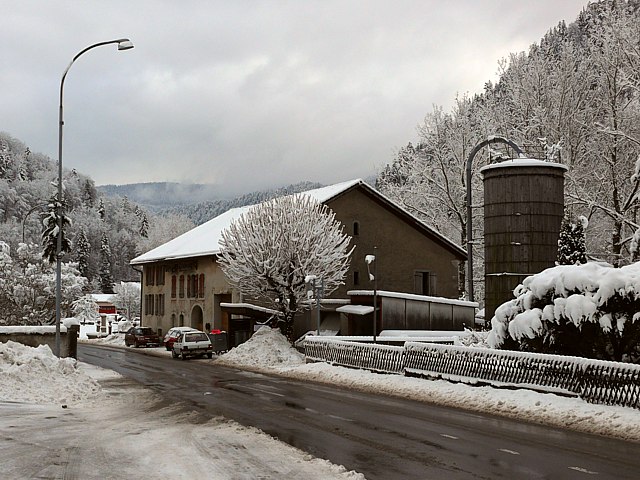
(192, 344)
(141, 337)
(174, 333)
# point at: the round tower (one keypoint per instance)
(523, 210)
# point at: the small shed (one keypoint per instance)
(404, 311)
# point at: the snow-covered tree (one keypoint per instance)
(106, 278)
(83, 252)
(51, 227)
(127, 298)
(572, 249)
(85, 309)
(28, 285)
(590, 310)
(101, 210)
(269, 251)
(144, 225)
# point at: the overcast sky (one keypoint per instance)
(248, 94)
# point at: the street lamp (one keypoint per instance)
(123, 44)
(373, 277)
(476, 149)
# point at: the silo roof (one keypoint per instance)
(524, 162)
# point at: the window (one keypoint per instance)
(201, 286)
(424, 282)
(356, 278)
(189, 286)
(159, 275)
(150, 277)
(356, 229)
(181, 291)
(174, 282)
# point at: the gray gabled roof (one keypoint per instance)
(203, 240)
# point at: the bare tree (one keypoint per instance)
(269, 251)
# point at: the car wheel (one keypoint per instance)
(174, 354)
(135, 344)
(209, 355)
(184, 357)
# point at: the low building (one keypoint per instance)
(183, 284)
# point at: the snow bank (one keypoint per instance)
(266, 348)
(36, 375)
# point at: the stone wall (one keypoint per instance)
(34, 336)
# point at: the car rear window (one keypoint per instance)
(146, 331)
(196, 337)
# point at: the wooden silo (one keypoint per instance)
(523, 210)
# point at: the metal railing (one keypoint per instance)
(596, 381)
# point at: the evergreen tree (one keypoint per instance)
(101, 211)
(106, 279)
(83, 252)
(571, 243)
(144, 226)
(50, 222)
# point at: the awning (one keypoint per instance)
(355, 309)
(249, 310)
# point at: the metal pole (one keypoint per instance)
(123, 44)
(476, 149)
(375, 294)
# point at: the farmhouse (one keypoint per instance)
(183, 285)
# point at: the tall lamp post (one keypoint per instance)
(476, 149)
(369, 259)
(123, 44)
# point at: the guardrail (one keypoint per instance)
(595, 381)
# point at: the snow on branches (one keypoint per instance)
(587, 310)
(269, 251)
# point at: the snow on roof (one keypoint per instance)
(413, 296)
(523, 162)
(355, 309)
(204, 239)
(102, 297)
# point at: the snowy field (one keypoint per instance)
(86, 405)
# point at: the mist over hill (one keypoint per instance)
(198, 202)
(161, 195)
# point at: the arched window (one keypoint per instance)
(181, 291)
(174, 281)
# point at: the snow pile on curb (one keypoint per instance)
(266, 348)
(111, 339)
(36, 375)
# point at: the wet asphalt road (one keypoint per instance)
(381, 437)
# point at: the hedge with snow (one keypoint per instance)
(589, 310)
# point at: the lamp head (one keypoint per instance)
(125, 44)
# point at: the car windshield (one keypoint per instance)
(195, 337)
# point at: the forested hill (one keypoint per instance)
(205, 211)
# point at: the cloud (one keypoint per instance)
(249, 94)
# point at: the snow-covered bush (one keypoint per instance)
(589, 310)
